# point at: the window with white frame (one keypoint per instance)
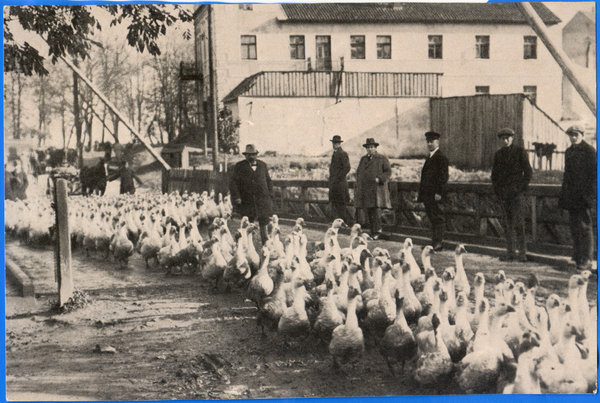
(482, 47)
(297, 47)
(384, 47)
(357, 46)
(530, 47)
(435, 46)
(249, 47)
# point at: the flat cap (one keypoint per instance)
(506, 132)
(575, 129)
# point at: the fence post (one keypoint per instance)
(64, 275)
(534, 234)
(304, 198)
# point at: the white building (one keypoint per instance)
(423, 50)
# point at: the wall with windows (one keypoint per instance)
(505, 71)
(304, 126)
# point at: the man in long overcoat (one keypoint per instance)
(338, 185)
(432, 190)
(252, 191)
(578, 195)
(127, 176)
(511, 174)
(372, 193)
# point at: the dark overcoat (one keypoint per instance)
(368, 193)
(338, 185)
(579, 180)
(253, 188)
(511, 172)
(434, 177)
(127, 176)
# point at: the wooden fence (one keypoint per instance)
(473, 213)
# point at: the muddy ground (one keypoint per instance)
(147, 336)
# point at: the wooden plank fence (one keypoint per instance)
(473, 213)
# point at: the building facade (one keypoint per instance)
(469, 48)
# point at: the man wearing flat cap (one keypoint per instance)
(511, 174)
(432, 190)
(338, 185)
(252, 191)
(371, 192)
(578, 195)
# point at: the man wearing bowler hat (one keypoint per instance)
(578, 195)
(338, 185)
(511, 174)
(432, 190)
(371, 192)
(251, 190)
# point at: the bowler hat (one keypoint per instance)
(506, 132)
(336, 139)
(432, 136)
(371, 142)
(250, 149)
(575, 129)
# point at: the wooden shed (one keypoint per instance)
(469, 127)
(178, 155)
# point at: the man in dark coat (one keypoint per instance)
(252, 191)
(432, 190)
(511, 174)
(371, 192)
(578, 195)
(127, 176)
(338, 185)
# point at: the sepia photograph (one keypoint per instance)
(300, 200)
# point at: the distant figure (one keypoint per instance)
(338, 185)
(252, 191)
(432, 189)
(372, 193)
(511, 174)
(578, 195)
(127, 176)
(9, 194)
(17, 181)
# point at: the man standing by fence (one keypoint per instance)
(511, 174)
(434, 177)
(252, 191)
(372, 193)
(338, 185)
(578, 195)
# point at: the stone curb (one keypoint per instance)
(23, 280)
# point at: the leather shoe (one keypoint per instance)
(438, 247)
(522, 258)
(507, 258)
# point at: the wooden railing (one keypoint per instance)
(473, 212)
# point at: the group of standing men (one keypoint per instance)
(252, 191)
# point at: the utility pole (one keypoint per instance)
(214, 109)
(559, 55)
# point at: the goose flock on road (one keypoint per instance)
(431, 321)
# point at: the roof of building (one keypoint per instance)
(493, 13)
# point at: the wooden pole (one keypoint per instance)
(559, 55)
(64, 275)
(114, 109)
(214, 102)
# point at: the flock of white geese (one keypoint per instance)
(430, 321)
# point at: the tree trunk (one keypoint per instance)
(76, 122)
(19, 90)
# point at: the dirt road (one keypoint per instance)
(147, 336)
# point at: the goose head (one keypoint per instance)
(460, 249)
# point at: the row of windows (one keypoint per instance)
(384, 46)
(529, 90)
